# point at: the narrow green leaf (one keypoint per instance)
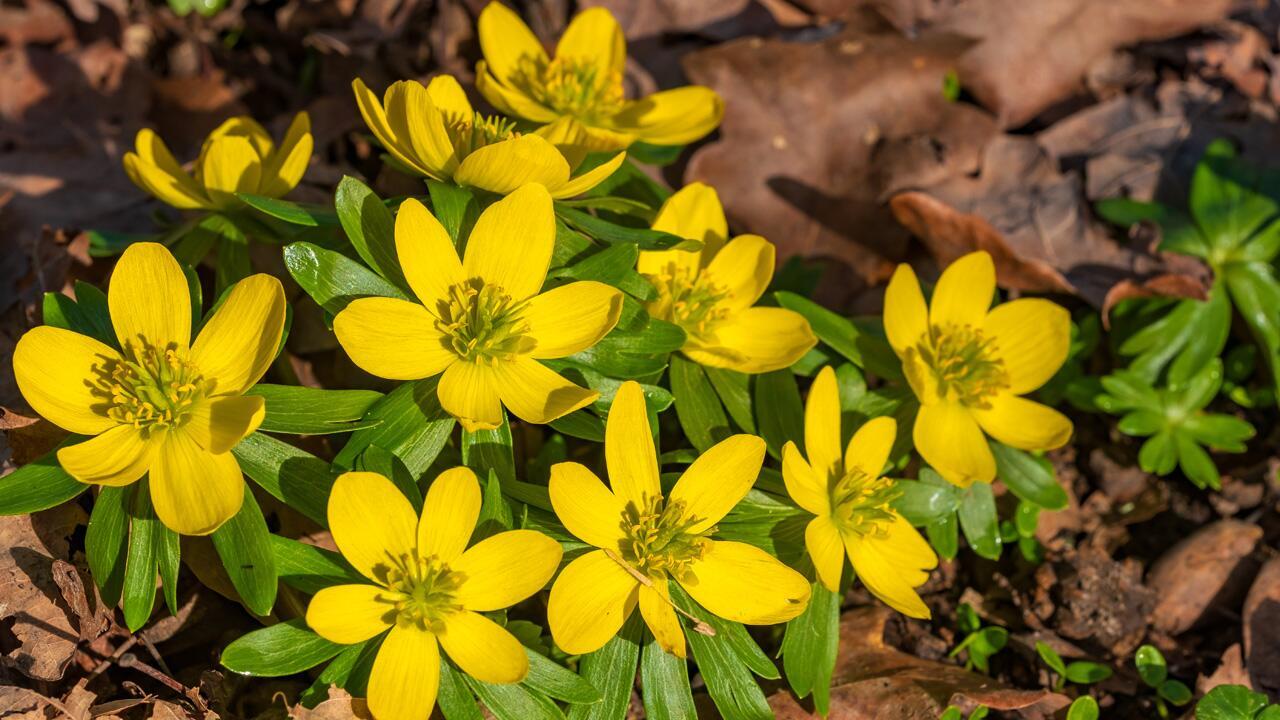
(924, 503)
(697, 406)
(39, 485)
(281, 649)
(332, 279)
(455, 698)
(1029, 477)
(309, 568)
(779, 411)
(612, 671)
(665, 680)
(295, 477)
(1086, 673)
(729, 681)
(244, 544)
(556, 681)
(414, 427)
(837, 332)
(944, 536)
(313, 411)
(340, 671)
(810, 645)
(612, 233)
(168, 557)
(457, 208)
(370, 228)
(734, 389)
(979, 521)
(294, 213)
(106, 540)
(491, 450)
(140, 563)
(515, 702)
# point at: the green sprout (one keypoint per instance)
(1080, 672)
(980, 643)
(1154, 672)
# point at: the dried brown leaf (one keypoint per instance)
(1207, 568)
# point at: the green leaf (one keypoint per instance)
(1223, 198)
(281, 649)
(582, 424)
(809, 647)
(1175, 692)
(1256, 294)
(295, 477)
(39, 485)
(944, 536)
(305, 214)
(1029, 477)
(1159, 454)
(836, 331)
(515, 702)
(924, 503)
(377, 460)
(557, 681)
(1151, 665)
(1196, 463)
(332, 279)
(979, 521)
(61, 311)
(457, 208)
(244, 544)
(140, 562)
(779, 411)
(309, 568)
(168, 557)
(345, 671)
(665, 680)
(495, 514)
(611, 233)
(697, 405)
(1086, 673)
(1230, 702)
(612, 671)
(370, 228)
(1051, 658)
(106, 540)
(1125, 212)
(1083, 708)
(312, 411)
(734, 389)
(610, 265)
(729, 682)
(488, 451)
(233, 264)
(455, 698)
(414, 427)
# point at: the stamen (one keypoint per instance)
(572, 86)
(962, 363)
(659, 541)
(152, 388)
(688, 300)
(860, 503)
(472, 133)
(422, 592)
(483, 323)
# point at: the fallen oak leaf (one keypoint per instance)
(1200, 571)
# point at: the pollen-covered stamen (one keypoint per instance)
(573, 86)
(422, 592)
(472, 133)
(483, 323)
(152, 388)
(860, 503)
(962, 363)
(693, 302)
(658, 541)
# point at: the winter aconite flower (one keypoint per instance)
(433, 131)
(646, 539)
(969, 364)
(160, 405)
(851, 504)
(238, 156)
(711, 293)
(584, 82)
(426, 588)
(481, 320)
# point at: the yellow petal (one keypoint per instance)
(469, 392)
(743, 267)
(163, 186)
(629, 450)
(906, 317)
(506, 568)
(594, 36)
(285, 166)
(426, 253)
(510, 99)
(376, 118)
(822, 426)
(230, 165)
(483, 649)
(1024, 424)
(148, 298)
(350, 614)
(406, 675)
(507, 43)
(672, 117)
(947, 436)
(893, 565)
(745, 584)
(660, 616)
(693, 212)
(718, 479)
(54, 368)
(420, 128)
(515, 162)
(242, 127)
(117, 457)
(756, 340)
(372, 523)
(803, 484)
(1032, 337)
(237, 345)
(585, 506)
(449, 97)
(512, 241)
(152, 150)
(589, 179)
(572, 318)
(393, 339)
(964, 292)
(589, 601)
(826, 550)
(536, 393)
(217, 424)
(449, 514)
(869, 447)
(193, 490)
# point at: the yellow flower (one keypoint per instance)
(236, 157)
(968, 366)
(584, 82)
(433, 131)
(850, 502)
(645, 540)
(427, 589)
(164, 406)
(710, 293)
(481, 320)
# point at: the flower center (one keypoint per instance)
(472, 133)
(960, 363)
(422, 591)
(658, 541)
(152, 388)
(860, 502)
(692, 302)
(483, 322)
(573, 86)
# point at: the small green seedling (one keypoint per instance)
(1154, 672)
(980, 643)
(953, 713)
(1080, 672)
(1083, 708)
(1235, 702)
(1022, 531)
